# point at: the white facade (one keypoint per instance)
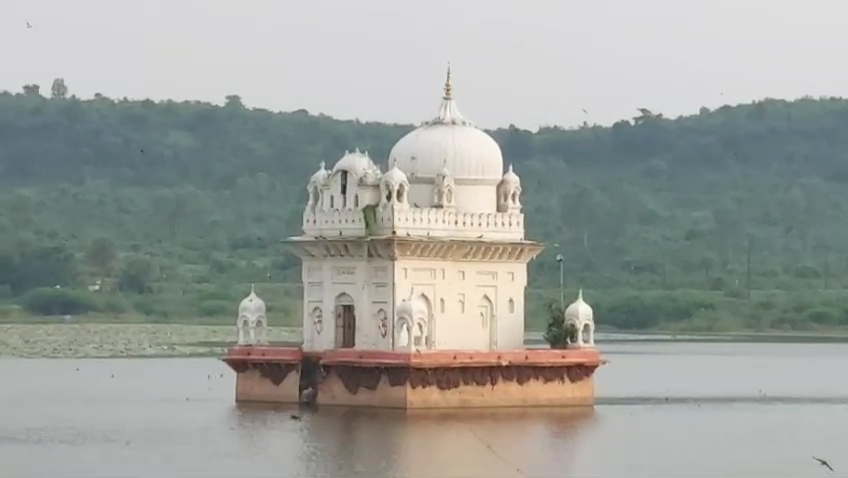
(430, 254)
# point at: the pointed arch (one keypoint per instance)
(345, 321)
(402, 334)
(401, 193)
(486, 315)
(424, 322)
(587, 334)
(343, 299)
(427, 310)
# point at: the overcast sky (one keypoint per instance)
(529, 63)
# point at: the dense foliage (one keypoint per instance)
(176, 206)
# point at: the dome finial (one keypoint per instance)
(252, 289)
(448, 86)
(580, 294)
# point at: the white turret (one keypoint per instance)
(252, 324)
(412, 325)
(509, 192)
(579, 315)
(394, 189)
(444, 190)
(315, 188)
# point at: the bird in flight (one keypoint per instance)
(824, 464)
(28, 25)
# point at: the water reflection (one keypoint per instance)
(669, 410)
(451, 443)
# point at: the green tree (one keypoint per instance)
(644, 207)
(31, 90)
(101, 255)
(137, 276)
(59, 90)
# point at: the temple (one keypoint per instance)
(413, 286)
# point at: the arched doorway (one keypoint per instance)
(486, 311)
(587, 334)
(345, 322)
(423, 336)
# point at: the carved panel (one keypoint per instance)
(461, 275)
(344, 274)
(380, 273)
(313, 272)
(510, 276)
(382, 322)
(315, 291)
(424, 274)
(381, 292)
(487, 276)
(317, 316)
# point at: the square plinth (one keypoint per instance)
(266, 374)
(458, 379)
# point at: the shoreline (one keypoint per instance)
(82, 339)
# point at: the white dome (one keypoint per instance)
(448, 142)
(356, 163)
(394, 176)
(411, 308)
(579, 309)
(511, 178)
(252, 305)
(320, 176)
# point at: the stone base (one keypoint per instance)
(457, 379)
(266, 374)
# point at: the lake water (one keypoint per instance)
(664, 410)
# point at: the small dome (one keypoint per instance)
(405, 308)
(394, 176)
(411, 308)
(449, 141)
(511, 178)
(252, 305)
(320, 176)
(579, 309)
(356, 163)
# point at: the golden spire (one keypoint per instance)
(448, 86)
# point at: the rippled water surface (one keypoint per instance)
(664, 409)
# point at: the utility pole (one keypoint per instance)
(559, 259)
(748, 267)
(827, 272)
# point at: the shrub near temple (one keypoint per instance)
(557, 334)
(45, 301)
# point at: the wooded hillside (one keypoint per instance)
(187, 202)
